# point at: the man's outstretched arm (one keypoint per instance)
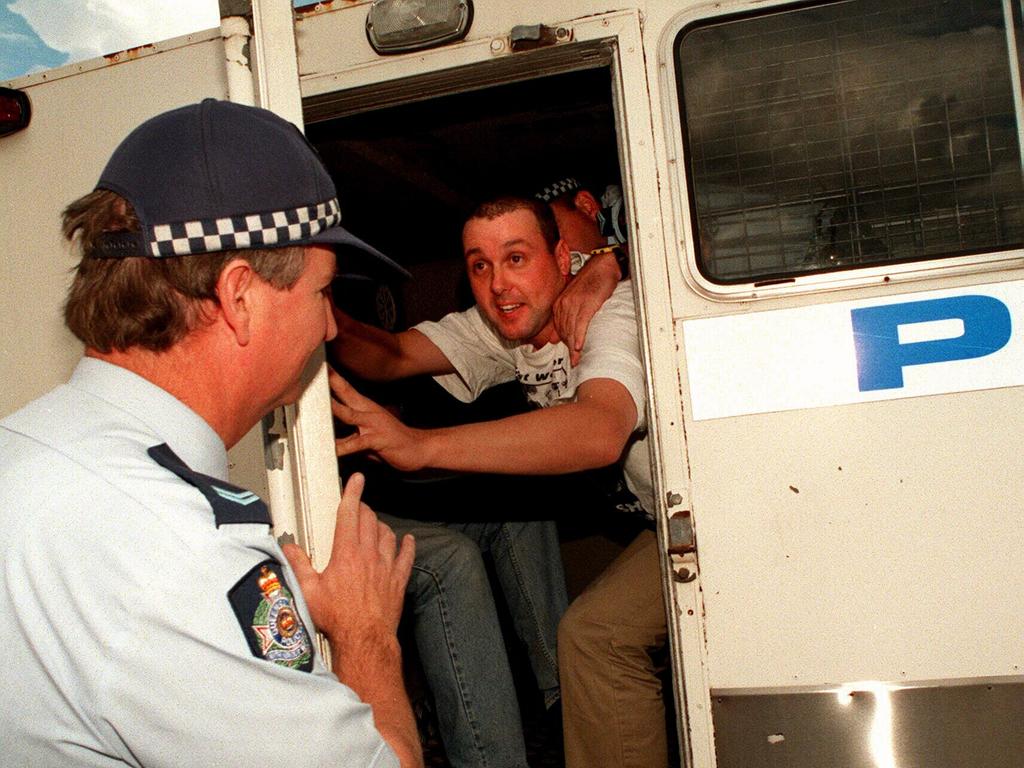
(377, 355)
(591, 432)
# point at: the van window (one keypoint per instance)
(852, 134)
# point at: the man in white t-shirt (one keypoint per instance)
(590, 415)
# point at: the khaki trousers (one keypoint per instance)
(612, 706)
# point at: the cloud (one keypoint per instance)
(89, 28)
(15, 37)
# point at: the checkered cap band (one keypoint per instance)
(556, 190)
(278, 228)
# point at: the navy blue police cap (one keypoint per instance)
(557, 189)
(219, 176)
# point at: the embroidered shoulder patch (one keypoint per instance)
(269, 618)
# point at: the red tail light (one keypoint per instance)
(15, 111)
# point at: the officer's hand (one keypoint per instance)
(358, 596)
(581, 298)
(378, 432)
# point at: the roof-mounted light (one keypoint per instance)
(15, 110)
(399, 26)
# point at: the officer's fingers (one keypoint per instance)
(575, 342)
(562, 317)
(562, 325)
(558, 307)
(352, 493)
(581, 326)
(385, 541)
(368, 528)
(570, 334)
(348, 509)
(402, 566)
(299, 561)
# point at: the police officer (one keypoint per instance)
(149, 616)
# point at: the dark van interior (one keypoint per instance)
(409, 167)
(407, 176)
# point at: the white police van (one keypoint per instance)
(826, 211)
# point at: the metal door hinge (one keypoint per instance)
(680, 533)
(275, 438)
(526, 37)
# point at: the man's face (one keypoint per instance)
(515, 277)
(578, 225)
(297, 321)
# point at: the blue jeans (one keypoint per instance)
(459, 638)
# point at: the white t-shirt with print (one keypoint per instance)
(483, 359)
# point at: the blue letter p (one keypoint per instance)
(881, 357)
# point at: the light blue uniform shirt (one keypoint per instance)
(120, 643)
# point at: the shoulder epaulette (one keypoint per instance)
(231, 504)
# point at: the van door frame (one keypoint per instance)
(620, 32)
(302, 470)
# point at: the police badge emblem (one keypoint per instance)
(270, 619)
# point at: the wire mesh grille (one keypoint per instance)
(850, 134)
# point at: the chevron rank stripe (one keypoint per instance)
(242, 497)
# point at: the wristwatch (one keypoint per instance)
(621, 257)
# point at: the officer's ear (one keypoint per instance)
(237, 298)
(586, 202)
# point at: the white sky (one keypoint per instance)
(89, 28)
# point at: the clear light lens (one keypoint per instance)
(396, 26)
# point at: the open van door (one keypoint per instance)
(395, 132)
(846, 196)
(857, 531)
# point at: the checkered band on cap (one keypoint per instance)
(559, 188)
(238, 232)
